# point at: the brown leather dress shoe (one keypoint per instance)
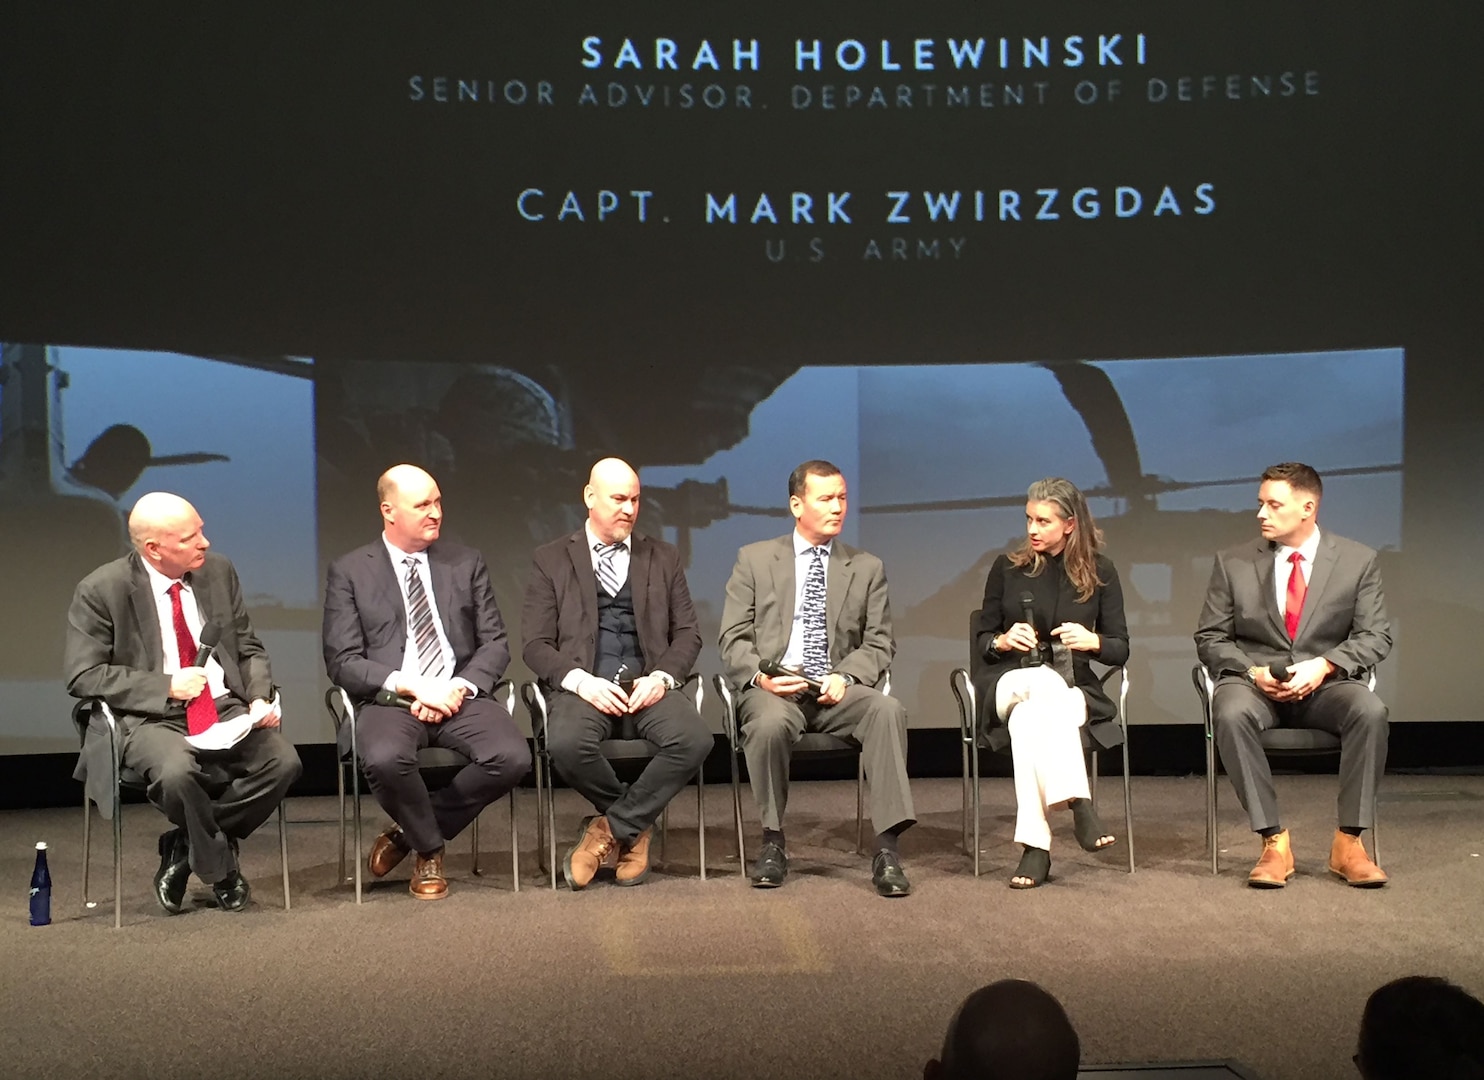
(388, 850)
(590, 852)
(1348, 859)
(1275, 865)
(633, 861)
(428, 882)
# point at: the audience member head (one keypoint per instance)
(167, 533)
(816, 498)
(1010, 1029)
(1288, 502)
(612, 498)
(1421, 1026)
(1058, 523)
(411, 507)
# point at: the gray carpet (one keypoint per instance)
(684, 978)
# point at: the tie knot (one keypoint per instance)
(819, 553)
(608, 549)
(1296, 557)
(174, 589)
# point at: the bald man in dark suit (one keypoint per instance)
(1310, 602)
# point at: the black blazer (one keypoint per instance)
(1055, 603)
(365, 627)
(559, 619)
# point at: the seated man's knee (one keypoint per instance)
(175, 770)
(1236, 707)
(695, 744)
(766, 723)
(388, 758)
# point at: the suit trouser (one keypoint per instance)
(772, 725)
(671, 724)
(1045, 717)
(217, 796)
(388, 739)
(1240, 713)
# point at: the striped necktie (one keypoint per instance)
(420, 623)
(607, 572)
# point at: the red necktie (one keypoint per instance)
(1297, 588)
(201, 709)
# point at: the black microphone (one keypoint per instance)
(774, 670)
(1028, 616)
(394, 699)
(1279, 672)
(211, 633)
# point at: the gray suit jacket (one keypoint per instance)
(559, 620)
(1344, 618)
(365, 628)
(114, 651)
(758, 614)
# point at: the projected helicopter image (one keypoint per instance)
(63, 511)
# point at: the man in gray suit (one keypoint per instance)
(133, 633)
(817, 607)
(1310, 603)
(610, 629)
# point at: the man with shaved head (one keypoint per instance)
(414, 615)
(134, 631)
(611, 633)
(1011, 1029)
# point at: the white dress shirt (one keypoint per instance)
(159, 586)
(1282, 569)
(793, 656)
(411, 665)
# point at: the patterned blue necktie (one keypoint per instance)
(812, 613)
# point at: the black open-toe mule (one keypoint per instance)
(1035, 865)
(1088, 828)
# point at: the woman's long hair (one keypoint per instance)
(1079, 556)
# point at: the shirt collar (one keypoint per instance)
(593, 541)
(159, 584)
(1308, 549)
(801, 546)
(398, 555)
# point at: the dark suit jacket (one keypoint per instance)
(559, 620)
(365, 627)
(114, 651)
(1055, 603)
(1344, 618)
(757, 618)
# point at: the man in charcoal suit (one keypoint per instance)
(1309, 603)
(134, 631)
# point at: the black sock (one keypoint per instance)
(887, 841)
(1271, 830)
(1351, 830)
(773, 836)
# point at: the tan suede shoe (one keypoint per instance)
(388, 850)
(1275, 865)
(633, 861)
(1348, 859)
(591, 850)
(428, 882)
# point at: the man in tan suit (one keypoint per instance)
(817, 607)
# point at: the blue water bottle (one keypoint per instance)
(41, 889)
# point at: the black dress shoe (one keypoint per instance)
(770, 869)
(232, 892)
(174, 871)
(888, 876)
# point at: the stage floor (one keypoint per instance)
(686, 978)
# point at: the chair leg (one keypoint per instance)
(1211, 800)
(474, 836)
(664, 832)
(965, 818)
(355, 810)
(1128, 806)
(1092, 776)
(540, 813)
(1375, 841)
(86, 847)
(701, 818)
(978, 809)
(283, 853)
(860, 804)
(737, 813)
(340, 796)
(514, 848)
(551, 825)
(118, 854)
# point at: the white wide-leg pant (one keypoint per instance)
(1044, 715)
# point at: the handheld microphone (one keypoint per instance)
(774, 670)
(394, 699)
(1028, 616)
(1279, 672)
(211, 633)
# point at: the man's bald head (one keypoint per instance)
(411, 507)
(612, 499)
(1010, 1028)
(167, 533)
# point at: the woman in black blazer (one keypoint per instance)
(1037, 683)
